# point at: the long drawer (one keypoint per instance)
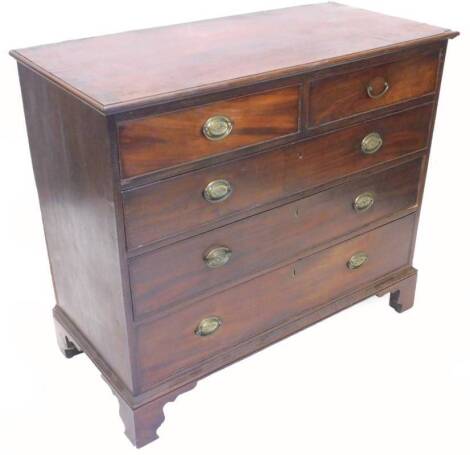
(184, 203)
(169, 139)
(185, 338)
(169, 275)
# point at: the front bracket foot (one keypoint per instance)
(402, 294)
(141, 423)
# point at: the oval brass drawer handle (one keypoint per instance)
(217, 127)
(357, 260)
(371, 143)
(217, 256)
(363, 202)
(370, 91)
(217, 191)
(208, 326)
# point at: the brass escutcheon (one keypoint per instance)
(217, 256)
(217, 127)
(217, 191)
(371, 143)
(357, 260)
(208, 326)
(363, 202)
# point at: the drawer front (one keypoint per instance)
(167, 140)
(170, 344)
(177, 205)
(180, 271)
(344, 95)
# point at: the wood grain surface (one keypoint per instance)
(72, 161)
(166, 277)
(168, 345)
(114, 125)
(174, 206)
(120, 71)
(167, 140)
(333, 98)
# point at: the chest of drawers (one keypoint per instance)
(211, 188)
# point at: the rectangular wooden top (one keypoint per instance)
(118, 72)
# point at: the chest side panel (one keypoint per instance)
(71, 155)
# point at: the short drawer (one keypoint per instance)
(344, 95)
(169, 275)
(167, 140)
(208, 327)
(181, 204)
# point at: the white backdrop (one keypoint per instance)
(368, 381)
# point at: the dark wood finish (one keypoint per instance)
(293, 159)
(402, 294)
(261, 303)
(172, 275)
(303, 80)
(176, 205)
(146, 66)
(141, 423)
(67, 345)
(72, 161)
(170, 139)
(344, 95)
(380, 286)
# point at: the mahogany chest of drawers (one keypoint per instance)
(208, 189)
